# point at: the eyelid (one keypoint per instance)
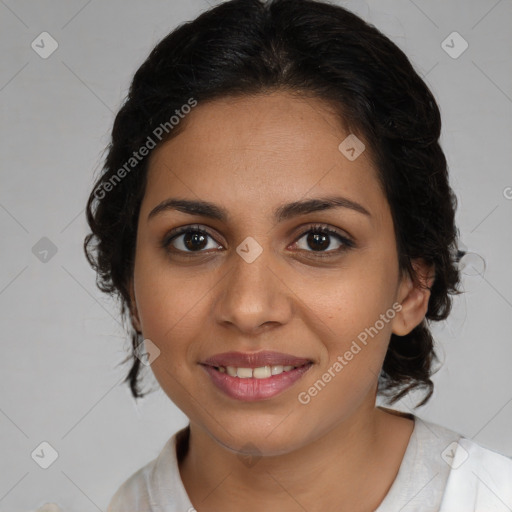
(327, 229)
(175, 232)
(346, 239)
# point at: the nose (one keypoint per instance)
(253, 296)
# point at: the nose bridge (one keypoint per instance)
(253, 294)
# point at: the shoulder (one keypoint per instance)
(478, 479)
(134, 491)
(153, 485)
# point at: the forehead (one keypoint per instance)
(267, 148)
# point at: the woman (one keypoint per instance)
(276, 218)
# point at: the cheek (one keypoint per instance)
(354, 311)
(172, 310)
(172, 305)
(351, 299)
(356, 315)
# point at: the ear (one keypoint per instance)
(134, 314)
(413, 295)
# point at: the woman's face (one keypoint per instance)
(264, 278)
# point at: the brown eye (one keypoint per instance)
(319, 239)
(189, 240)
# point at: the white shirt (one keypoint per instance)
(440, 472)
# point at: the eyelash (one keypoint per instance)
(317, 228)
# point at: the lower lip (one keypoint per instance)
(252, 389)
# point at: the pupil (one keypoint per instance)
(317, 239)
(191, 239)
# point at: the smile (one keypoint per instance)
(252, 384)
(262, 372)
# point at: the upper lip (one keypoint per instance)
(255, 359)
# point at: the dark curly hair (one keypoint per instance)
(310, 48)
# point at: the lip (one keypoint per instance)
(255, 359)
(252, 389)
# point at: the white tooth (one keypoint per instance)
(262, 372)
(277, 369)
(287, 368)
(231, 370)
(244, 373)
(222, 369)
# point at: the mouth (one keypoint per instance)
(260, 372)
(255, 376)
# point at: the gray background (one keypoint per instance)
(62, 344)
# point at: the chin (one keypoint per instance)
(261, 438)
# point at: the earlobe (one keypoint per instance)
(414, 295)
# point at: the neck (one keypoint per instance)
(336, 466)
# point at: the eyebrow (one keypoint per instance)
(283, 212)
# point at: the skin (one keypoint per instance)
(250, 155)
